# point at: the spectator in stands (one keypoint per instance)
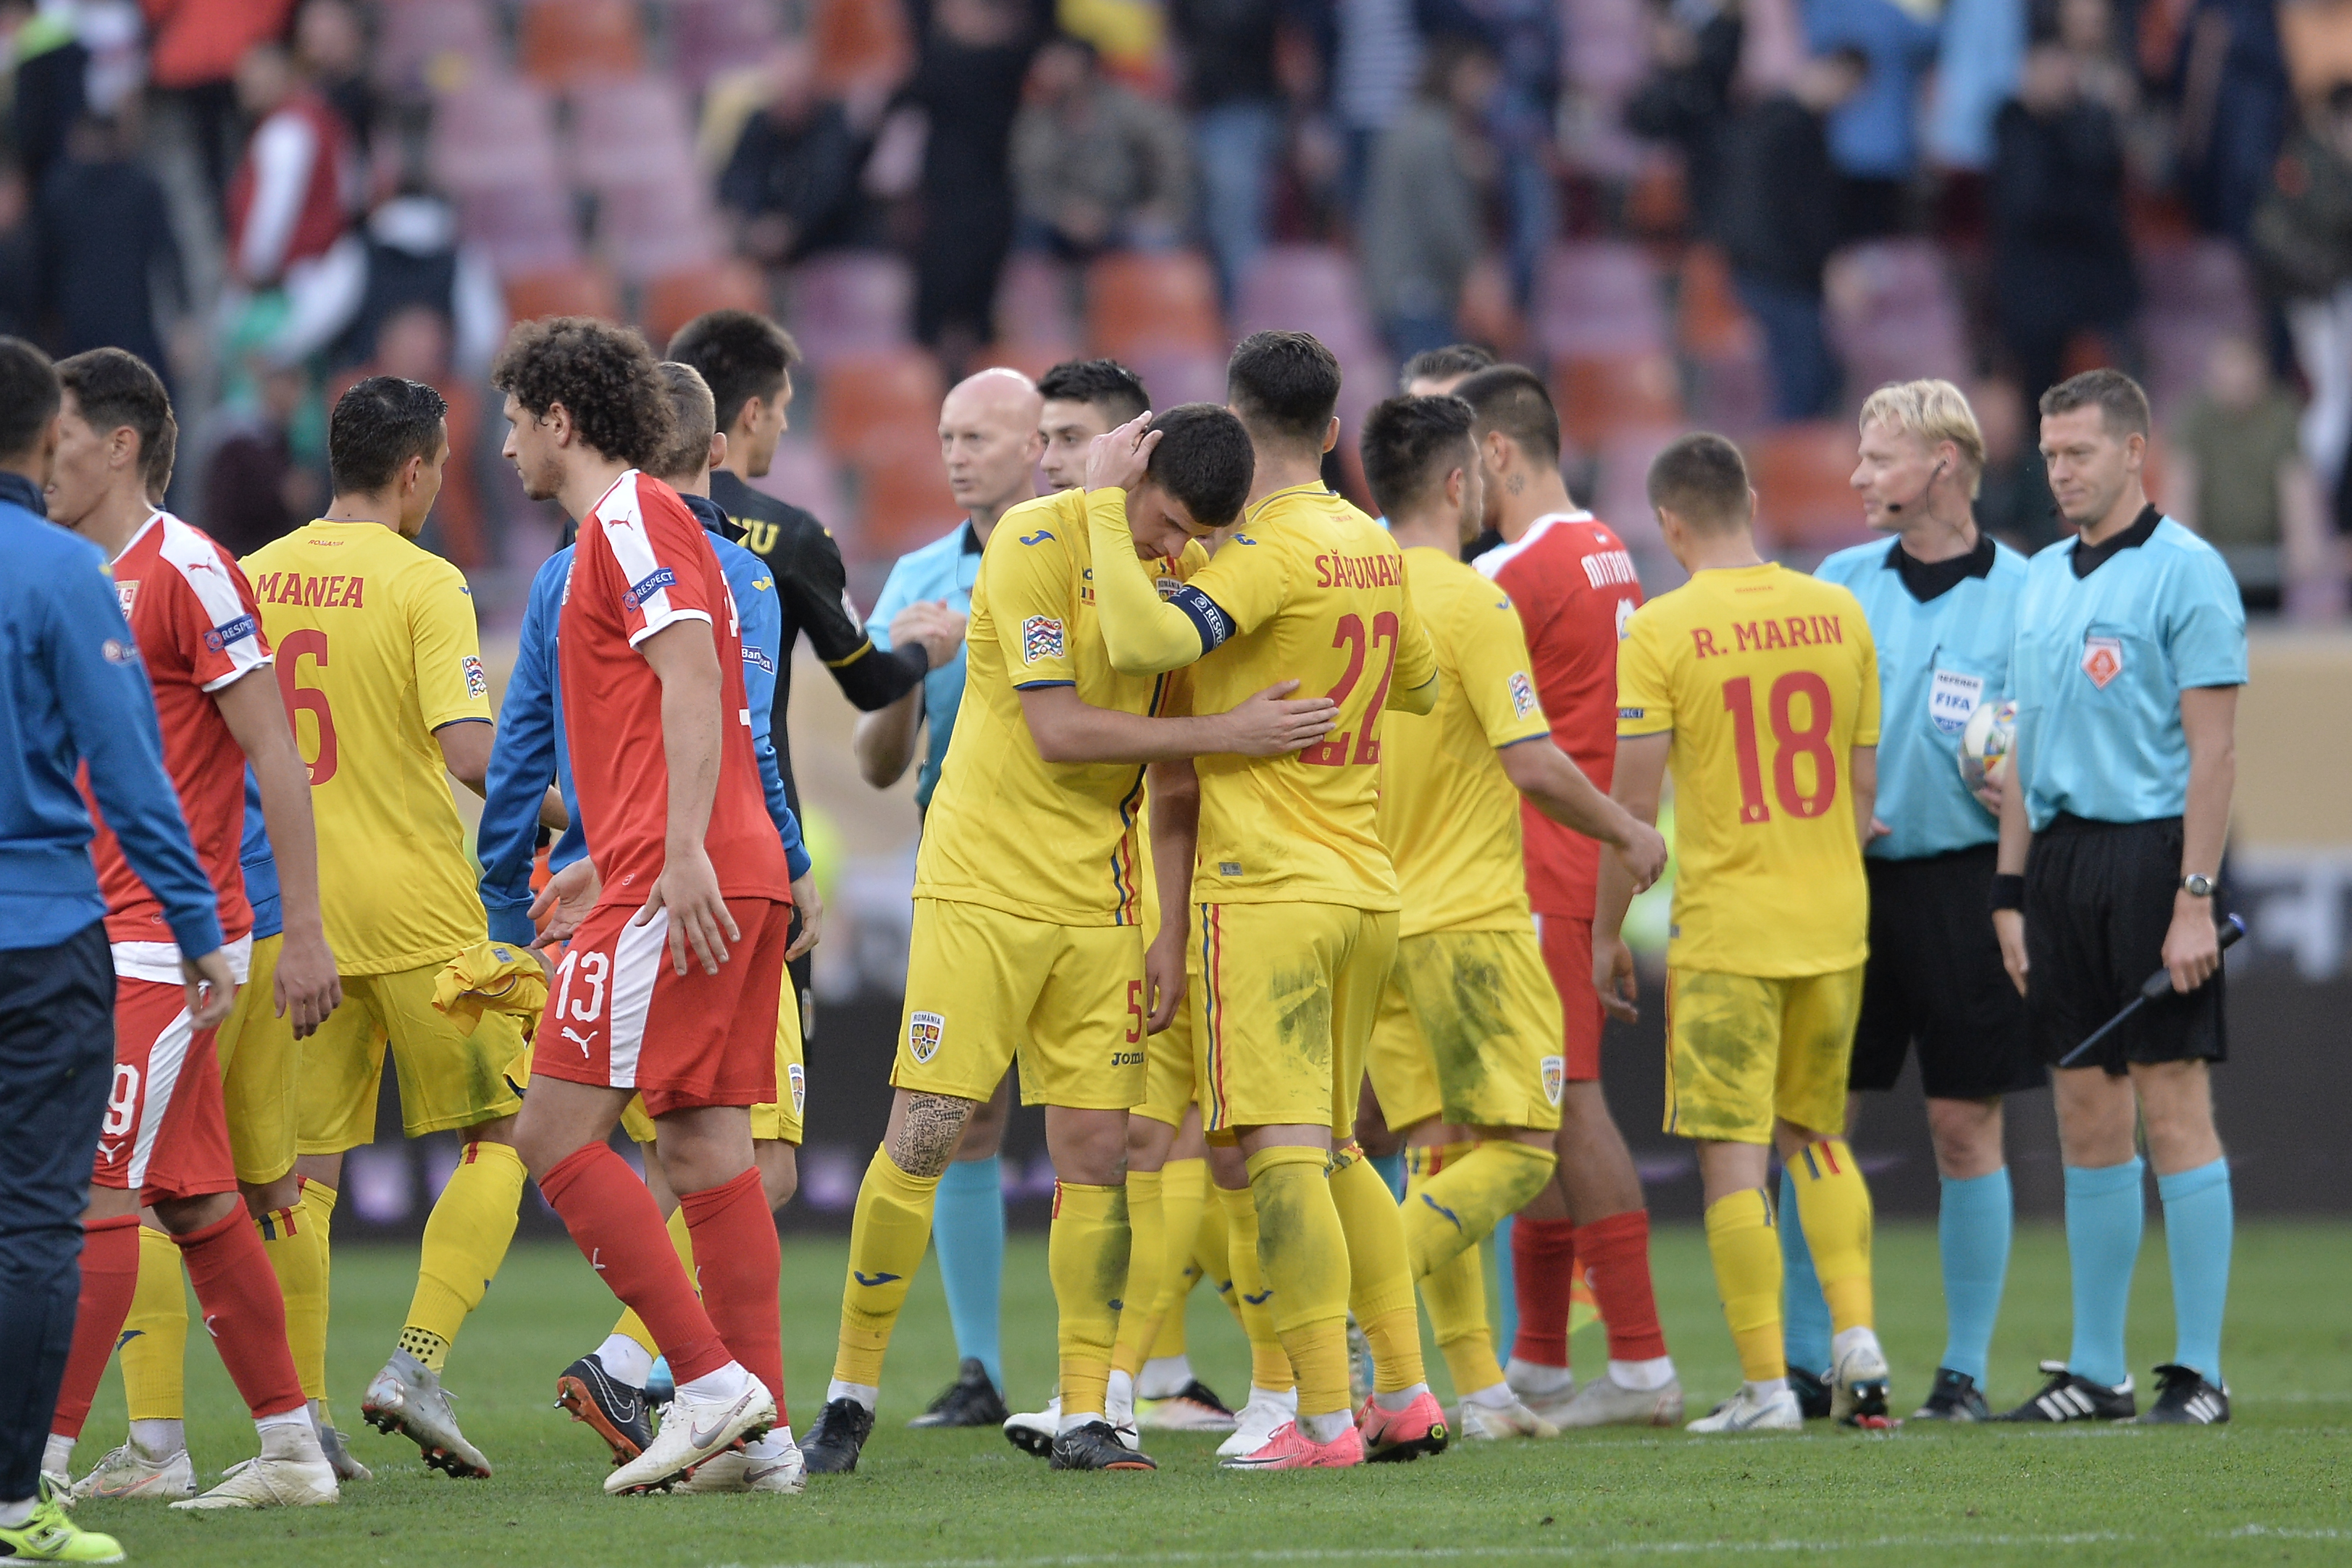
(967, 86)
(198, 48)
(1978, 57)
(330, 42)
(1423, 227)
(1226, 62)
(20, 277)
(2061, 262)
(2013, 492)
(414, 258)
(49, 80)
(1524, 37)
(2235, 108)
(791, 182)
(2302, 245)
(1696, 50)
(2239, 478)
(253, 490)
(1376, 58)
(290, 201)
(1777, 219)
(1874, 137)
(414, 344)
(1096, 165)
(105, 245)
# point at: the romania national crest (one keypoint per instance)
(923, 1031)
(797, 1082)
(1041, 638)
(1555, 1078)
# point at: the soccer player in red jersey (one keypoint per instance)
(668, 988)
(164, 1141)
(1575, 586)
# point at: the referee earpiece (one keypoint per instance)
(1896, 506)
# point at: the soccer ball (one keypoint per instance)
(1984, 744)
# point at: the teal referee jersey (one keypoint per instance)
(2105, 647)
(1938, 657)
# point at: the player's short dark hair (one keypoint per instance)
(691, 402)
(1204, 460)
(1284, 385)
(1411, 442)
(375, 429)
(1100, 384)
(1513, 400)
(115, 388)
(740, 353)
(1438, 364)
(1702, 479)
(603, 376)
(29, 396)
(2121, 402)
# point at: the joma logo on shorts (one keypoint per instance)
(1126, 1058)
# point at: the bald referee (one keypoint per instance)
(2131, 646)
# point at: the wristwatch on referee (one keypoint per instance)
(2197, 884)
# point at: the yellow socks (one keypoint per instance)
(1747, 1253)
(1304, 1256)
(1251, 1298)
(465, 1240)
(1381, 1278)
(1086, 1255)
(632, 1327)
(1455, 1195)
(1213, 1250)
(1834, 1204)
(296, 1240)
(1146, 1268)
(1184, 1211)
(153, 1346)
(891, 1226)
(1454, 1291)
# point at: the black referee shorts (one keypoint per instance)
(1935, 978)
(2098, 902)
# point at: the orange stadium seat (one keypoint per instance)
(1140, 303)
(563, 41)
(584, 289)
(1804, 501)
(869, 404)
(1599, 395)
(859, 44)
(675, 299)
(1711, 322)
(903, 498)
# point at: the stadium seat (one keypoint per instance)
(425, 44)
(1893, 315)
(850, 302)
(584, 289)
(630, 132)
(2316, 36)
(708, 36)
(1598, 297)
(527, 227)
(1488, 313)
(802, 474)
(2195, 292)
(1710, 322)
(903, 498)
(1603, 395)
(1140, 302)
(648, 230)
(1805, 502)
(859, 45)
(674, 299)
(1035, 305)
(1308, 289)
(873, 402)
(561, 42)
(1181, 377)
(496, 132)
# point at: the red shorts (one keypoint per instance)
(166, 1133)
(1567, 953)
(620, 1016)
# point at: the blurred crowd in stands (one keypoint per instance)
(1743, 214)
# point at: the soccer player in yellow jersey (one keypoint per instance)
(1757, 687)
(1028, 914)
(1298, 901)
(1469, 1032)
(381, 669)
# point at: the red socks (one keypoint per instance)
(735, 1253)
(1616, 1257)
(615, 1225)
(1543, 1277)
(109, 1274)
(243, 1311)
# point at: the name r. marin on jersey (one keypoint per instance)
(1763, 635)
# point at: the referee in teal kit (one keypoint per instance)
(1942, 600)
(2131, 646)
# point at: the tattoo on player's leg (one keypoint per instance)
(927, 1138)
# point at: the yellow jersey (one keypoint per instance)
(1064, 843)
(1316, 593)
(1768, 679)
(1448, 813)
(376, 650)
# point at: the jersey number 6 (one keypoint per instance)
(301, 699)
(1789, 743)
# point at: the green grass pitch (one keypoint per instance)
(2274, 1486)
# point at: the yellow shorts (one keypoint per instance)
(985, 987)
(1469, 1030)
(779, 1120)
(260, 1064)
(447, 1079)
(1167, 1058)
(1741, 1050)
(1289, 995)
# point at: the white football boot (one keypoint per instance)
(694, 1431)
(292, 1471)
(130, 1471)
(1266, 1414)
(1743, 1412)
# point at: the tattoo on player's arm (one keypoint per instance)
(926, 1139)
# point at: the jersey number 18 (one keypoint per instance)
(1790, 742)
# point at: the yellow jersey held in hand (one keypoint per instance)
(1316, 591)
(376, 650)
(1054, 841)
(1448, 813)
(1768, 679)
